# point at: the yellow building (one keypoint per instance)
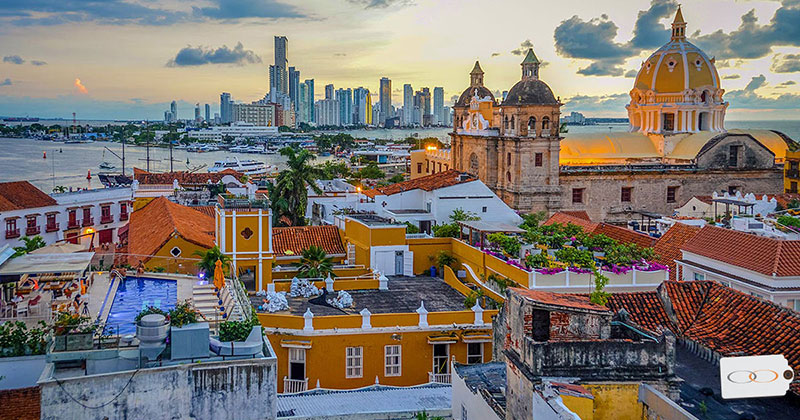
(791, 171)
(244, 232)
(429, 160)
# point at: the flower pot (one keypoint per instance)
(60, 343)
(536, 251)
(79, 341)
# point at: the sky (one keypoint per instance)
(127, 59)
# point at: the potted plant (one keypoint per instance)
(73, 332)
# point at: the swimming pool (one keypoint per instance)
(134, 294)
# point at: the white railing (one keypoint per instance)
(291, 386)
(239, 295)
(439, 378)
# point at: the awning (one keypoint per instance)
(477, 337)
(443, 339)
(47, 263)
(296, 344)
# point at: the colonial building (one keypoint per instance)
(677, 145)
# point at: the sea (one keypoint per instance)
(49, 164)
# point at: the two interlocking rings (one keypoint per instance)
(761, 376)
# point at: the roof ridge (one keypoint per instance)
(707, 286)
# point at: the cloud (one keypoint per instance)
(81, 88)
(495, 54)
(197, 56)
(13, 59)
(526, 44)
(648, 32)
(6, 82)
(788, 83)
(523, 48)
(747, 98)
(38, 62)
(601, 68)
(631, 74)
(593, 40)
(381, 4)
(115, 12)
(752, 40)
(731, 76)
(786, 63)
(239, 9)
(340, 55)
(601, 103)
(755, 83)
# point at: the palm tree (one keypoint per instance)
(315, 263)
(208, 260)
(31, 244)
(59, 189)
(289, 196)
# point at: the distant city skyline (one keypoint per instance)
(153, 53)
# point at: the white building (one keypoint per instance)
(238, 131)
(255, 114)
(78, 216)
(424, 202)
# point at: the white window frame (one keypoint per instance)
(698, 276)
(354, 362)
(297, 355)
(446, 357)
(393, 360)
(480, 346)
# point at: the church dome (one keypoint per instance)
(530, 92)
(677, 66)
(469, 92)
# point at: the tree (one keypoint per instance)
(397, 178)
(59, 189)
(289, 195)
(208, 260)
(31, 244)
(315, 263)
(460, 215)
(371, 171)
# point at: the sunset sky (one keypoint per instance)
(127, 59)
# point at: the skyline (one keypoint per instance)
(150, 56)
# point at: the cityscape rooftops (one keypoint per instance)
(20, 195)
(668, 246)
(371, 219)
(183, 177)
(617, 233)
(291, 241)
(426, 183)
(560, 300)
(154, 224)
(488, 380)
(231, 201)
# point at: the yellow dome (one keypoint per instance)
(677, 66)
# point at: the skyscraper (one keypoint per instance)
(312, 112)
(438, 106)
(425, 105)
(225, 107)
(208, 113)
(197, 116)
(408, 104)
(362, 106)
(302, 99)
(173, 108)
(345, 99)
(279, 79)
(329, 94)
(294, 87)
(385, 99)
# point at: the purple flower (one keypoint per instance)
(549, 271)
(579, 270)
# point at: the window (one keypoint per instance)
(474, 353)
(532, 125)
(419, 167)
(540, 325)
(354, 362)
(123, 211)
(732, 189)
(505, 122)
(31, 222)
(51, 222)
(699, 276)
(625, 194)
(577, 195)
(669, 122)
(508, 176)
(87, 216)
(11, 228)
(672, 193)
(512, 122)
(440, 166)
(463, 412)
(441, 353)
(537, 159)
(545, 123)
(483, 209)
(794, 304)
(297, 364)
(105, 214)
(733, 156)
(793, 187)
(508, 158)
(427, 166)
(175, 251)
(392, 360)
(73, 218)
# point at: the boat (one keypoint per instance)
(247, 166)
(106, 165)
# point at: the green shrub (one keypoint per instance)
(537, 261)
(575, 257)
(183, 314)
(150, 310)
(787, 220)
(509, 244)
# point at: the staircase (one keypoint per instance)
(207, 302)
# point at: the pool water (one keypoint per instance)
(137, 293)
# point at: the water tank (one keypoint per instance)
(152, 332)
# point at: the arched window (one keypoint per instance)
(508, 176)
(505, 122)
(532, 124)
(703, 96)
(508, 158)
(512, 122)
(545, 123)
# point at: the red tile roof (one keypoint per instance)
(298, 238)
(581, 214)
(20, 195)
(566, 300)
(154, 224)
(783, 199)
(668, 246)
(184, 178)
(719, 318)
(756, 253)
(617, 233)
(427, 183)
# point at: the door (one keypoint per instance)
(384, 262)
(441, 354)
(297, 364)
(106, 236)
(398, 263)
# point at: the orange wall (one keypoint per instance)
(426, 248)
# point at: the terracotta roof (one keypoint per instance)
(756, 253)
(783, 199)
(668, 246)
(565, 300)
(581, 214)
(154, 224)
(207, 210)
(722, 319)
(617, 233)
(183, 177)
(427, 183)
(20, 195)
(298, 238)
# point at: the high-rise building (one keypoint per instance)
(329, 94)
(327, 111)
(225, 108)
(302, 99)
(197, 117)
(385, 99)
(408, 104)
(167, 116)
(173, 108)
(362, 106)
(278, 73)
(312, 112)
(259, 114)
(345, 98)
(294, 87)
(438, 106)
(425, 106)
(208, 113)
(377, 118)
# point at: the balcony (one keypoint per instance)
(123, 216)
(33, 230)
(73, 224)
(439, 378)
(106, 219)
(229, 201)
(291, 386)
(792, 173)
(88, 221)
(13, 233)
(51, 227)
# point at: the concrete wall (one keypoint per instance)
(472, 402)
(20, 372)
(244, 389)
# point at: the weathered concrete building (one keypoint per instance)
(677, 145)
